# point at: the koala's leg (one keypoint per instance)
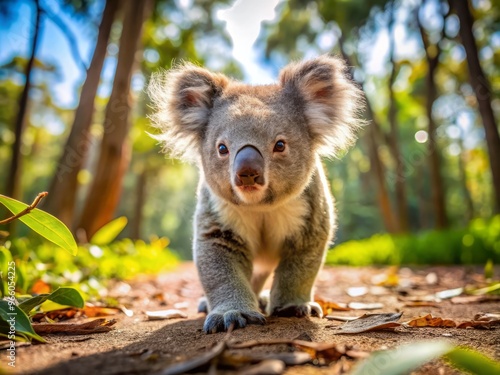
(225, 273)
(291, 293)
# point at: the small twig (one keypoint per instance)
(27, 210)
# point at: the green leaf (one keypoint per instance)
(106, 234)
(472, 361)
(402, 360)
(33, 302)
(489, 269)
(4, 332)
(68, 297)
(62, 296)
(43, 223)
(22, 323)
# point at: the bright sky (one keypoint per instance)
(243, 22)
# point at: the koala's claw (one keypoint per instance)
(299, 311)
(216, 322)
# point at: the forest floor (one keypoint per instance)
(137, 345)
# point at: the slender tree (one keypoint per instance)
(481, 88)
(114, 158)
(376, 165)
(64, 186)
(400, 178)
(432, 53)
(13, 188)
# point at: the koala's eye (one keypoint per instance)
(223, 150)
(279, 146)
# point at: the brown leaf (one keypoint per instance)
(487, 317)
(341, 318)
(94, 326)
(431, 321)
(93, 311)
(371, 322)
(479, 324)
(324, 351)
(58, 315)
(329, 306)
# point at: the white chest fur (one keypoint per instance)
(264, 229)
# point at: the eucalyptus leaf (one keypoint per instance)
(62, 296)
(403, 359)
(68, 297)
(106, 234)
(33, 302)
(472, 361)
(22, 323)
(43, 223)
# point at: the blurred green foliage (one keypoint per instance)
(90, 268)
(476, 244)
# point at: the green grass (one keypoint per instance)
(476, 244)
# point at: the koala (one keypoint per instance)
(264, 204)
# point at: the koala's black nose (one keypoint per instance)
(248, 167)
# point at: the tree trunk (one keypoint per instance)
(400, 178)
(469, 204)
(376, 164)
(481, 88)
(13, 188)
(140, 198)
(104, 194)
(64, 185)
(437, 185)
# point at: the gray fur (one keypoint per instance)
(283, 227)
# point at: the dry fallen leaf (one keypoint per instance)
(58, 315)
(165, 314)
(328, 306)
(371, 322)
(449, 293)
(431, 321)
(94, 311)
(487, 317)
(322, 352)
(341, 318)
(479, 324)
(475, 299)
(357, 291)
(94, 326)
(365, 306)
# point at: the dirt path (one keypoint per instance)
(139, 346)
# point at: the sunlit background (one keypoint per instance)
(421, 165)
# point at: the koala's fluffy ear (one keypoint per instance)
(331, 101)
(183, 98)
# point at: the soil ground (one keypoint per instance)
(140, 346)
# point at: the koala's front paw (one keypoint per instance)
(305, 309)
(219, 322)
(203, 305)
